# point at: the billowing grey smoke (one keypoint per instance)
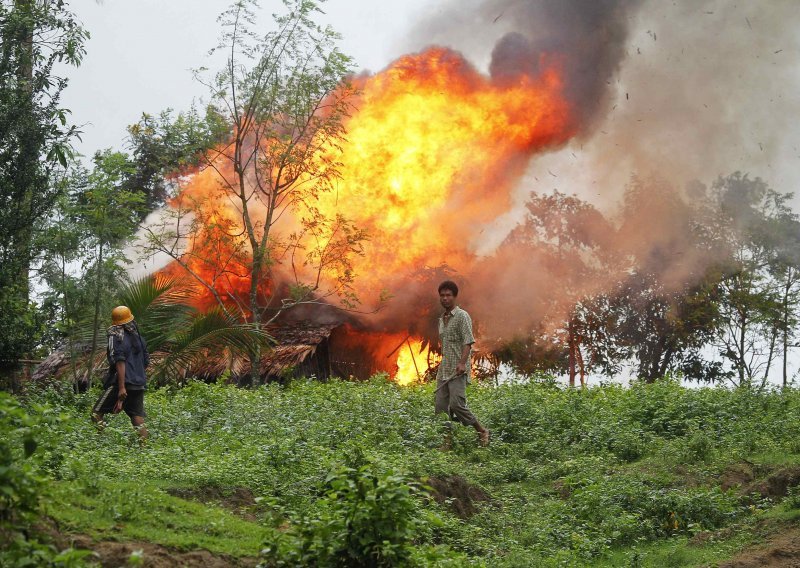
(588, 36)
(683, 90)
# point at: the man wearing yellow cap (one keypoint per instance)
(126, 382)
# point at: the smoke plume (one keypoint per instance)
(673, 92)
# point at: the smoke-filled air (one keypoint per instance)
(571, 160)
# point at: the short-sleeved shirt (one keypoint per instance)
(126, 344)
(454, 336)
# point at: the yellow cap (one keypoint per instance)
(120, 315)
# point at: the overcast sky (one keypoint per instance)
(141, 53)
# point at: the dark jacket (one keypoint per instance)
(126, 344)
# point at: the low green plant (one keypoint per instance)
(366, 517)
(20, 482)
(573, 477)
(21, 488)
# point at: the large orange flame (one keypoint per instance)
(412, 362)
(433, 150)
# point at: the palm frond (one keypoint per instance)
(160, 306)
(208, 335)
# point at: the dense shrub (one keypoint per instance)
(21, 487)
(366, 517)
(20, 484)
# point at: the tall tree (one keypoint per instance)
(665, 304)
(164, 146)
(750, 213)
(109, 214)
(35, 35)
(785, 269)
(284, 98)
(571, 240)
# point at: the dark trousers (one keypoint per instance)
(451, 397)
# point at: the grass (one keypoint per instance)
(125, 510)
(603, 477)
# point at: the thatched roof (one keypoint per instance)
(58, 364)
(294, 343)
(293, 353)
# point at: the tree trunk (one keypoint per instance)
(96, 321)
(785, 330)
(741, 347)
(28, 152)
(65, 323)
(571, 343)
(255, 314)
(581, 368)
(771, 354)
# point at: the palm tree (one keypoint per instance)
(178, 336)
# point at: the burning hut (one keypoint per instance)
(301, 349)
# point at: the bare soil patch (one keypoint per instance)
(783, 550)
(737, 475)
(113, 554)
(776, 485)
(238, 500)
(456, 493)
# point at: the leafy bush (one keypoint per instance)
(21, 485)
(366, 518)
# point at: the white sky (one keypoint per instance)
(141, 53)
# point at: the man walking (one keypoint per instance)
(455, 333)
(126, 382)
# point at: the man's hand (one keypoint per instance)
(461, 368)
(123, 394)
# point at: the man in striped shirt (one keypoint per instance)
(455, 333)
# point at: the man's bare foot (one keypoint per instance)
(483, 438)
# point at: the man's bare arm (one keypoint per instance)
(462, 361)
(121, 379)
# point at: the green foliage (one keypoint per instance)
(757, 296)
(21, 325)
(34, 143)
(367, 517)
(792, 500)
(19, 482)
(101, 507)
(163, 147)
(21, 486)
(574, 477)
(179, 333)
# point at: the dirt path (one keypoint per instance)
(781, 549)
(112, 554)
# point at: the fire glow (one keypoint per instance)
(433, 150)
(412, 362)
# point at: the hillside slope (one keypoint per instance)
(653, 475)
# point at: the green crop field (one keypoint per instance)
(351, 474)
